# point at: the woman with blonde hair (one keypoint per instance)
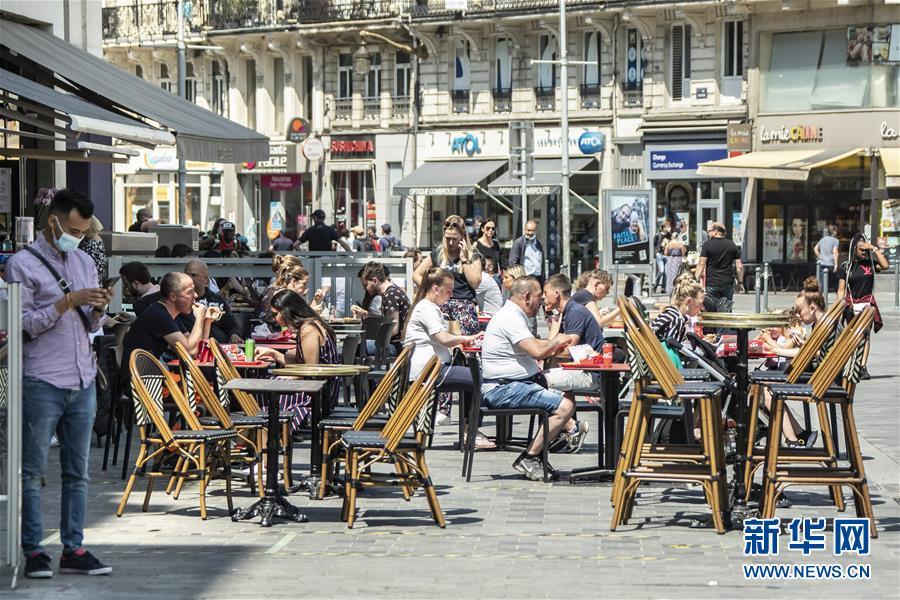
(455, 254)
(511, 274)
(687, 302)
(93, 245)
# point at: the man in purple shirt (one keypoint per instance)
(59, 371)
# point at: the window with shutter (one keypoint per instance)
(681, 62)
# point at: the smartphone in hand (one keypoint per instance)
(110, 282)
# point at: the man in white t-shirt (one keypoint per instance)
(511, 372)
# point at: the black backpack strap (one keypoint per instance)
(63, 285)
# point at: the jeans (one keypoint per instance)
(70, 413)
(721, 297)
(520, 394)
(370, 348)
(660, 280)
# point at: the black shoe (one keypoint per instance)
(804, 440)
(38, 566)
(864, 375)
(82, 562)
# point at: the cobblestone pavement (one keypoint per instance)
(505, 536)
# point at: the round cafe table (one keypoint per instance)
(742, 324)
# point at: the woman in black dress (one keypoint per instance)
(856, 283)
(487, 244)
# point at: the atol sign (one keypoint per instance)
(591, 142)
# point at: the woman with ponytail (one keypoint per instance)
(809, 306)
(687, 302)
(856, 283)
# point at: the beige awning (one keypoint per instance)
(792, 165)
(890, 160)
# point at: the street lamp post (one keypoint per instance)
(182, 92)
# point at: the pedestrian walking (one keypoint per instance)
(720, 265)
(320, 236)
(675, 252)
(387, 241)
(826, 250)
(528, 252)
(61, 306)
(487, 244)
(856, 283)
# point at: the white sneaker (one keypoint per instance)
(441, 419)
(54, 441)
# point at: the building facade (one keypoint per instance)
(419, 129)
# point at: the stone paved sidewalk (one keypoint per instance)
(505, 537)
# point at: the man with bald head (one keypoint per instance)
(512, 375)
(226, 329)
(162, 324)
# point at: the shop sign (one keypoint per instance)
(160, 159)
(533, 190)
(683, 160)
(353, 147)
(740, 137)
(797, 134)
(280, 181)
(312, 149)
(887, 132)
(466, 144)
(591, 142)
(298, 129)
(278, 161)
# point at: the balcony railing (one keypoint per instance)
(400, 108)
(459, 101)
(371, 108)
(151, 20)
(632, 97)
(545, 98)
(502, 99)
(343, 109)
(590, 95)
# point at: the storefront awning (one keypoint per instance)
(890, 160)
(547, 178)
(82, 117)
(793, 165)
(448, 178)
(200, 134)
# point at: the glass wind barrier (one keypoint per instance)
(10, 431)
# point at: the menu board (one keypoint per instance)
(773, 240)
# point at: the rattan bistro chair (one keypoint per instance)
(197, 449)
(843, 360)
(814, 350)
(391, 387)
(704, 467)
(225, 372)
(392, 445)
(249, 428)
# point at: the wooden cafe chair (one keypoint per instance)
(843, 360)
(197, 449)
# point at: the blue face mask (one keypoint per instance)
(66, 242)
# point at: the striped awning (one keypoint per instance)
(792, 165)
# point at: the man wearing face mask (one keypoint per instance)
(58, 312)
(528, 252)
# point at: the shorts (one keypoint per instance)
(520, 394)
(566, 380)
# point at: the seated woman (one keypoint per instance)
(810, 308)
(315, 346)
(428, 330)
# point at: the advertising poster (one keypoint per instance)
(797, 241)
(773, 239)
(628, 227)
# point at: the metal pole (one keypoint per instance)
(523, 159)
(766, 287)
(757, 289)
(565, 267)
(897, 282)
(182, 92)
(414, 109)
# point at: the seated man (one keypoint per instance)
(225, 330)
(580, 327)
(511, 373)
(137, 286)
(394, 302)
(160, 326)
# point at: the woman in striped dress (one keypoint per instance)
(315, 346)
